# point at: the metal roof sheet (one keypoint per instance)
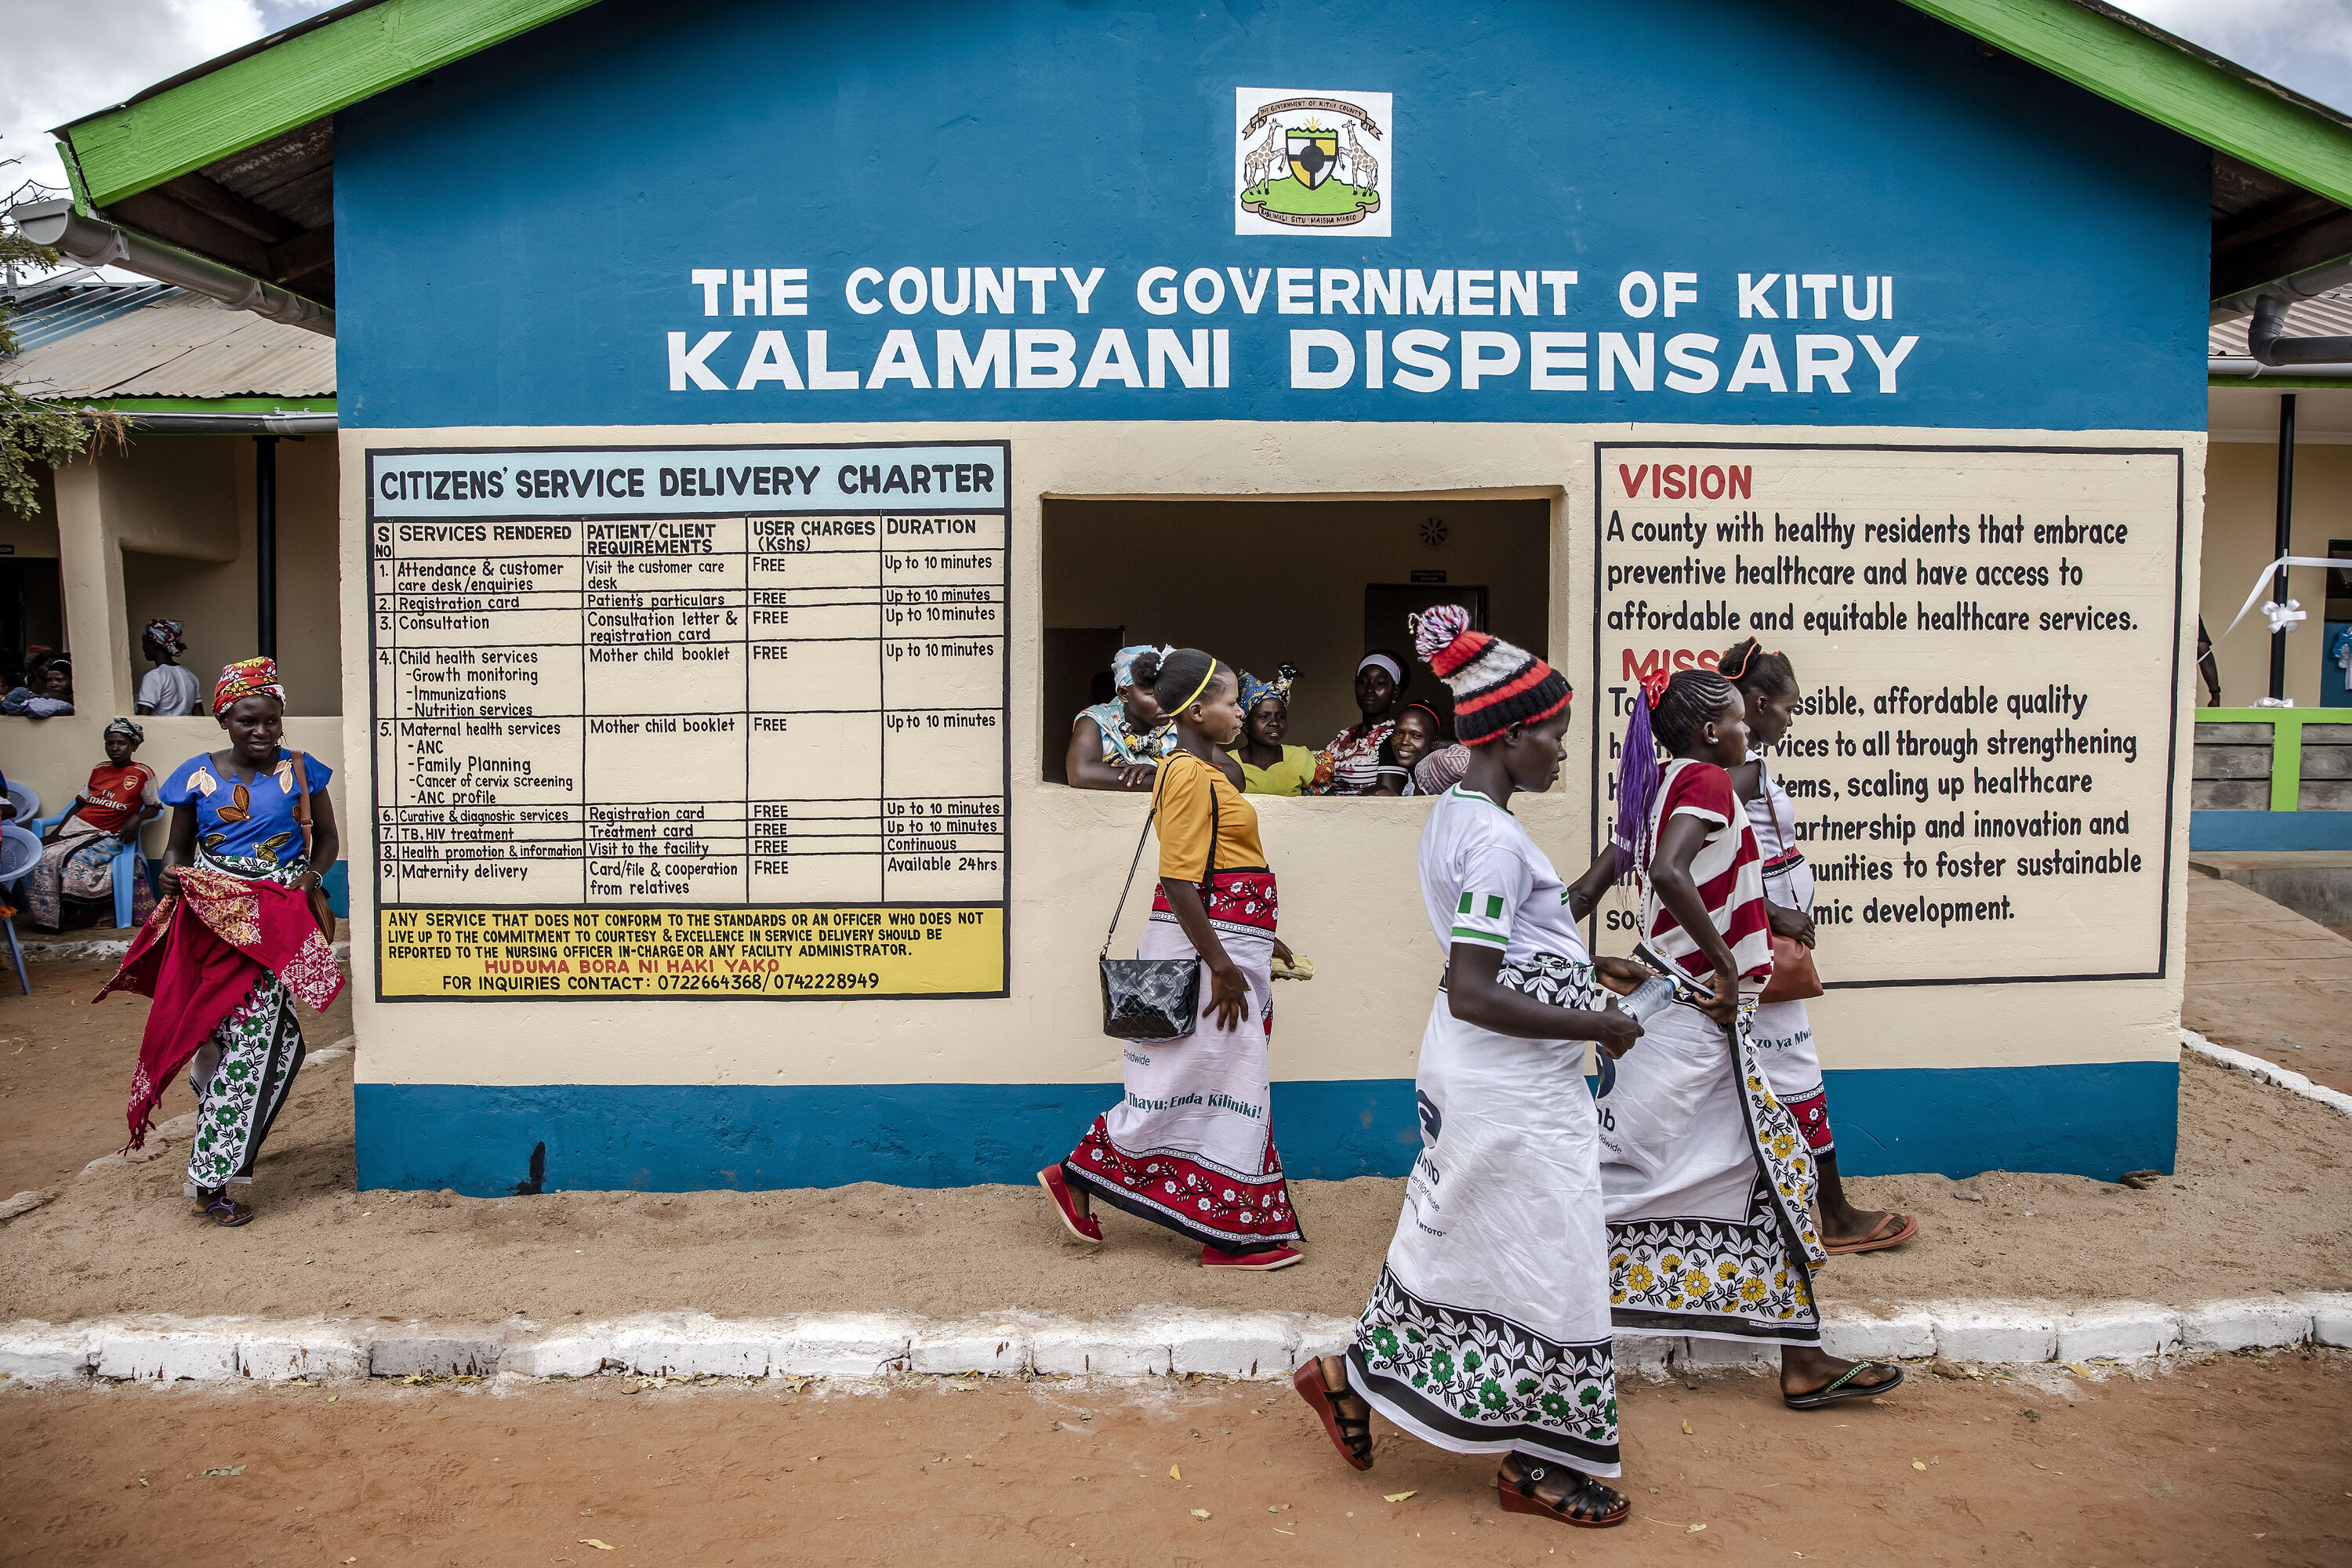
(2325, 315)
(171, 344)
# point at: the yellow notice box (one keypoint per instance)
(567, 955)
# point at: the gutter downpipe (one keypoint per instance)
(168, 423)
(94, 242)
(265, 546)
(2285, 530)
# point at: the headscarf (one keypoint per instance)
(1495, 684)
(1254, 691)
(125, 727)
(1122, 664)
(246, 678)
(169, 635)
(1382, 661)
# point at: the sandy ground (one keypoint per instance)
(2267, 980)
(2239, 1461)
(65, 1068)
(2262, 1197)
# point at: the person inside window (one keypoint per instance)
(1355, 752)
(77, 853)
(167, 689)
(1419, 730)
(48, 691)
(1269, 766)
(1118, 744)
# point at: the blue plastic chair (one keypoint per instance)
(128, 863)
(20, 851)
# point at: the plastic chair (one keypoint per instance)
(19, 852)
(128, 863)
(26, 799)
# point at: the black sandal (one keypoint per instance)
(1843, 1388)
(1588, 1505)
(1351, 1434)
(216, 1205)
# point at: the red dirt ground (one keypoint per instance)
(2239, 1461)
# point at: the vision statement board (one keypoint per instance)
(1988, 642)
(690, 722)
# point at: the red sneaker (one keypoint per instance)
(1084, 1226)
(1280, 1257)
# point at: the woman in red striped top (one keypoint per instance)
(1707, 1182)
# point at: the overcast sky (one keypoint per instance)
(65, 58)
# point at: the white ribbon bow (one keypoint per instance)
(2281, 617)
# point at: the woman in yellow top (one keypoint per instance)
(1269, 767)
(1190, 1145)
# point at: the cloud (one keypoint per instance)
(2302, 44)
(69, 59)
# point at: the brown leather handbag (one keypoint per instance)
(322, 910)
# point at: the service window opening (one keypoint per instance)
(1259, 583)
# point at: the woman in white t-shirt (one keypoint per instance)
(167, 689)
(1489, 1330)
(1782, 1032)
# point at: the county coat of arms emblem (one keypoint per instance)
(1304, 162)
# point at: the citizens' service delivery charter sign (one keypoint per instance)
(1987, 644)
(690, 722)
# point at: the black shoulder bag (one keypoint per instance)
(1152, 999)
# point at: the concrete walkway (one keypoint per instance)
(2263, 980)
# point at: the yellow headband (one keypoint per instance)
(1200, 688)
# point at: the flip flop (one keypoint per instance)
(1906, 1225)
(1309, 1381)
(1844, 1387)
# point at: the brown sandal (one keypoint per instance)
(1351, 1434)
(1604, 1506)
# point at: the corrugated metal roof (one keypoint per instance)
(74, 309)
(2327, 315)
(171, 344)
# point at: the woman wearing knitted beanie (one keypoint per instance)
(1488, 1331)
(1709, 1183)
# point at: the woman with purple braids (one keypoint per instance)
(1707, 1182)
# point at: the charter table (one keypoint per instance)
(666, 676)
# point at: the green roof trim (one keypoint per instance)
(2169, 81)
(255, 96)
(207, 404)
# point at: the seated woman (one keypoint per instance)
(1355, 752)
(77, 855)
(48, 691)
(1269, 767)
(1419, 730)
(1118, 744)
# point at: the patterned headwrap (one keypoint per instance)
(1254, 691)
(125, 727)
(1495, 684)
(1122, 664)
(246, 678)
(169, 635)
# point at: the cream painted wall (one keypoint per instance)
(215, 596)
(166, 528)
(1350, 894)
(1255, 586)
(2241, 537)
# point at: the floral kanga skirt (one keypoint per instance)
(1710, 1189)
(1488, 1330)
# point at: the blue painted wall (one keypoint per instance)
(516, 234)
(515, 231)
(2099, 1120)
